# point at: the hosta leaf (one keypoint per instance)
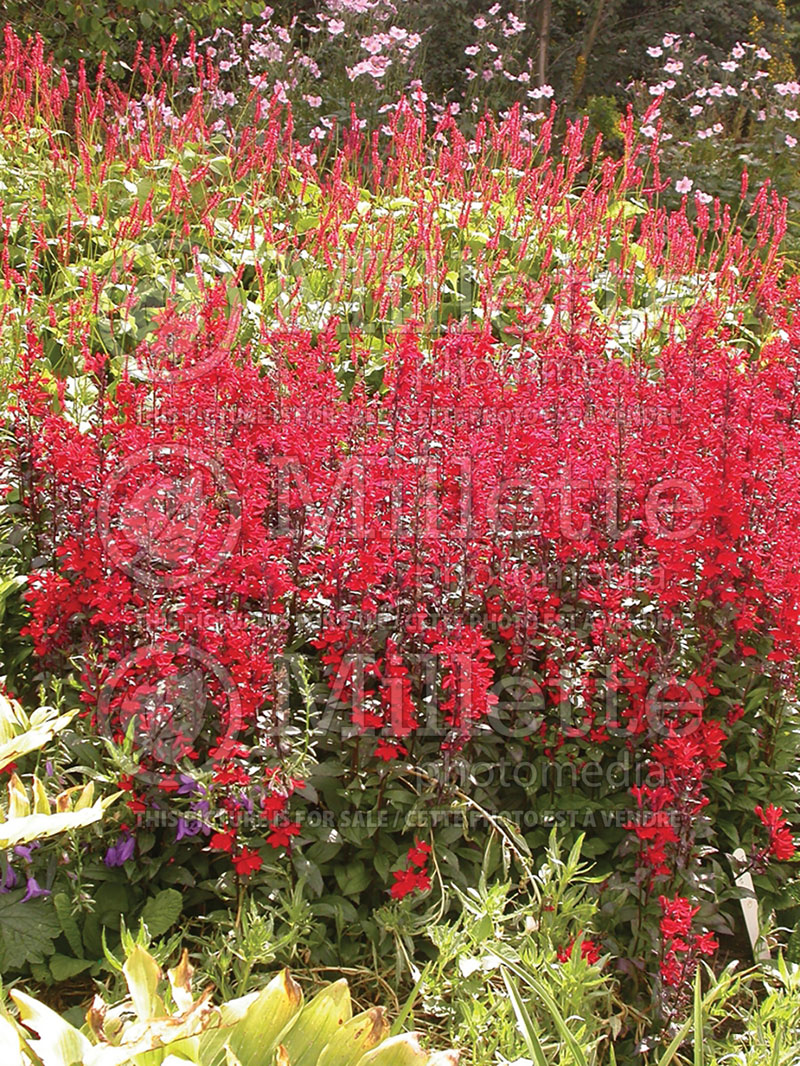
(274, 1009)
(319, 1020)
(59, 1044)
(11, 1045)
(142, 975)
(35, 826)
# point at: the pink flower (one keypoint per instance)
(479, 23)
(684, 185)
(335, 27)
(654, 52)
(790, 141)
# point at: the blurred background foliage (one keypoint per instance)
(592, 48)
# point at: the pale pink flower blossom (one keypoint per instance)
(684, 185)
(479, 23)
(762, 53)
(730, 66)
(695, 110)
(654, 52)
(791, 141)
(335, 27)
(791, 114)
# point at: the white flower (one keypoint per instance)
(702, 197)
(684, 185)
(791, 114)
(654, 52)
(738, 52)
(730, 66)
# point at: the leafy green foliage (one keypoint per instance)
(273, 1025)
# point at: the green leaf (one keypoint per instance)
(353, 878)
(162, 911)
(142, 975)
(63, 967)
(69, 926)
(59, 1043)
(698, 1020)
(524, 1022)
(27, 930)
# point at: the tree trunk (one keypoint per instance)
(586, 49)
(545, 16)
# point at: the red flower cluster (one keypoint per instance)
(781, 841)
(680, 947)
(589, 951)
(414, 877)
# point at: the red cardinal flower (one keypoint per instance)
(247, 862)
